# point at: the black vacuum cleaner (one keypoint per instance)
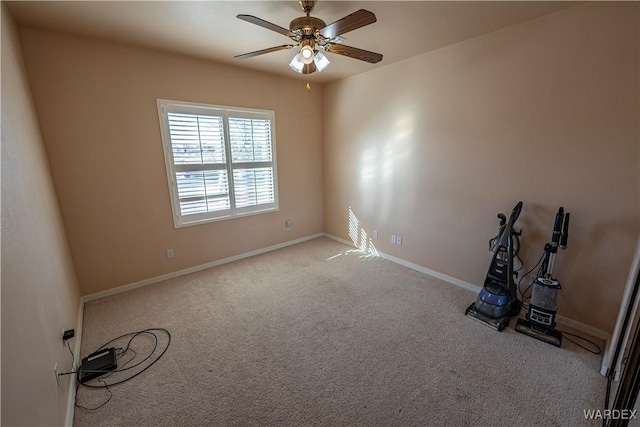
(498, 301)
(541, 316)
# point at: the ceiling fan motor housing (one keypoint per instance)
(308, 25)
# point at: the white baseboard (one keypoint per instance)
(427, 271)
(71, 403)
(561, 320)
(339, 239)
(189, 270)
(460, 283)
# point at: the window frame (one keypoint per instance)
(165, 107)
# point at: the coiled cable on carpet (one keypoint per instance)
(120, 352)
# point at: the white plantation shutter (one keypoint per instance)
(220, 161)
(250, 140)
(197, 145)
(251, 154)
(253, 186)
(196, 139)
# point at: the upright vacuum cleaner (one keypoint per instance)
(541, 317)
(498, 301)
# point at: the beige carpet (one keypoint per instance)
(321, 334)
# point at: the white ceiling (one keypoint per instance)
(210, 29)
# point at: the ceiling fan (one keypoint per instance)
(311, 36)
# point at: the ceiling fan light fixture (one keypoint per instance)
(311, 34)
(296, 64)
(321, 61)
(306, 54)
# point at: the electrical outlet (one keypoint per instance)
(398, 240)
(375, 234)
(57, 373)
(287, 224)
(393, 239)
(169, 253)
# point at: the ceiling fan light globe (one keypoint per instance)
(306, 54)
(321, 61)
(296, 64)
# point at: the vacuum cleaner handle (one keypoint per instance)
(557, 229)
(565, 232)
(515, 213)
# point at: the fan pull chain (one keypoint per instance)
(308, 87)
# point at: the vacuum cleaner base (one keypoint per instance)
(547, 335)
(498, 323)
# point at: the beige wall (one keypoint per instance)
(40, 295)
(429, 149)
(545, 112)
(97, 107)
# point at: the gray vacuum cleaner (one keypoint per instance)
(541, 316)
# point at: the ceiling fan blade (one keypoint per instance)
(309, 68)
(351, 22)
(263, 51)
(268, 25)
(354, 52)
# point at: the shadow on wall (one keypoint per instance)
(359, 237)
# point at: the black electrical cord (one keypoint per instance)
(598, 351)
(155, 346)
(523, 295)
(77, 383)
(521, 264)
(133, 336)
(100, 405)
(73, 357)
(119, 353)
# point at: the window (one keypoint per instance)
(221, 161)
